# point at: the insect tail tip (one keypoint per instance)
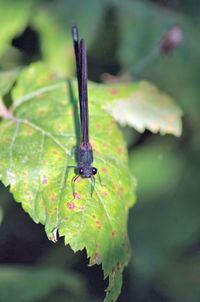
(75, 32)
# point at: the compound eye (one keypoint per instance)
(94, 171)
(81, 171)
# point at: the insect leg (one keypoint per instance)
(67, 172)
(93, 185)
(99, 177)
(75, 179)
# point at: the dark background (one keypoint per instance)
(164, 224)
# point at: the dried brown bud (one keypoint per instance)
(171, 39)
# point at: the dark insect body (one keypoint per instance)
(85, 168)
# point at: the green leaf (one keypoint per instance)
(141, 106)
(37, 146)
(45, 281)
(53, 21)
(13, 19)
(7, 79)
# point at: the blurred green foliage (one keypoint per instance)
(164, 224)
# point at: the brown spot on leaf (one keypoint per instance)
(41, 112)
(118, 266)
(119, 149)
(154, 127)
(169, 128)
(98, 222)
(79, 179)
(170, 117)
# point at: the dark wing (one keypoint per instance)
(78, 67)
(84, 95)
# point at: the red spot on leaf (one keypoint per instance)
(105, 193)
(55, 152)
(44, 162)
(98, 222)
(98, 153)
(78, 196)
(44, 181)
(52, 197)
(104, 169)
(27, 193)
(25, 184)
(99, 126)
(59, 127)
(105, 145)
(81, 208)
(96, 257)
(97, 246)
(66, 218)
(94, 216)
(71, 205)
(113, 91)
(71, 113)
(29, 131)
(55, 209)
(114, 233)
(60, 158)
(79, 179)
